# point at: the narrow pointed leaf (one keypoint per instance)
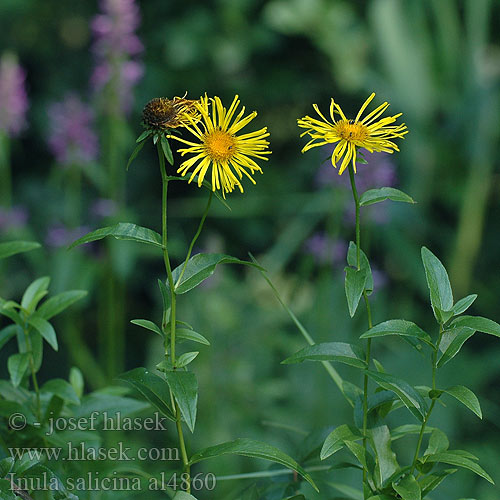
(386, 193)
(122, 231)
(438, 442)
(408, 488)
(189, 334)
(200, 267)
(143, 136)
(165, 146)
(55, 305)
(457, 459)
(17, 365)
(466, 397)
(451, 343)
(184, 387)
(432, 481)
(398, 327)
(14, 247)
(152, 387)
(355, 280)
(363, 264)
(337, 438)
(386, 463)
(186, 358)
(45, 329)
(34, 293)
(478, 323)
(165, 295)
(438, 282)
(62, 389)
(463, 304)
(406, 393)
(254, 449)
(148, 325)
(342, 352)
(134, 154)
(7, 333)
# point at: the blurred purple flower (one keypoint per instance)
(325, 249)
(13, 218)
(13, 98)
(72, 140)
(59, 235)
(115, 43)
(103, 207)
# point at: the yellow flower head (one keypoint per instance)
(365, 133)
(161, 114)
(229, 156)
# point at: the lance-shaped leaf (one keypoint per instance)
(398, 327)
(200, 267)
(451, 343)
(17, 365)
(122, 231)
(349, 354)
(432, 481)
(385, 193)
(55, 305)
(386, 463)
(405, 392)
(152, 387)
(438, 282)
(254, 449)
(478, 323)
(165, 146)
(456, 457)
(466, 397)
(14, 247)
(438, 442)
(148, 325)
(34, 293)
(337, 438)
(135, 152)
(363, 264)
(62, 389)
(355, 281)
(463, 304)
(184, 387)
(45, 329)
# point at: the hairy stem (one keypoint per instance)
(173, 297)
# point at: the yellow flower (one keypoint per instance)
(161, 114)
(229, 155)
(352, 134)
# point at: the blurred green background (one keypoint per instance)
(436, 61)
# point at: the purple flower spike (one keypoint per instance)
(13, 98)
(72, 140)
(115, 45)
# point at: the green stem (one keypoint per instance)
(195, 237)
(173, 298)
(36, 388)
(368, 311)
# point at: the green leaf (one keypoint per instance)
(381, 497)
(432, 481)
(148, 325)
(45, 329)
(398, 327)
(62, 389)
(200, 267)
(438, 442)
(386, 193)
(152, 387)
(189, 334)
(438, 282)
(6, 334)
(122, 231)
(407, 429)
(349, 354)
(6, 492)
(363, 264)
(457, 459)
(451, 343)
(405, 392)
(337, 438)
(408, 488)
(182, 495)
(386, 463)
(8, 308)
(17, 365)
(34, 293)
(14, 247)
(478, 323)
(165, 146)
(186, 358)
(355, 280)
(463, 304)
(253, 449)
(134, 154)
(144, 136)
(165, 295)
(466, 397)
(184, 387)
(57, 304)
(76, 380)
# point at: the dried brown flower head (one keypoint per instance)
(161, 113)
